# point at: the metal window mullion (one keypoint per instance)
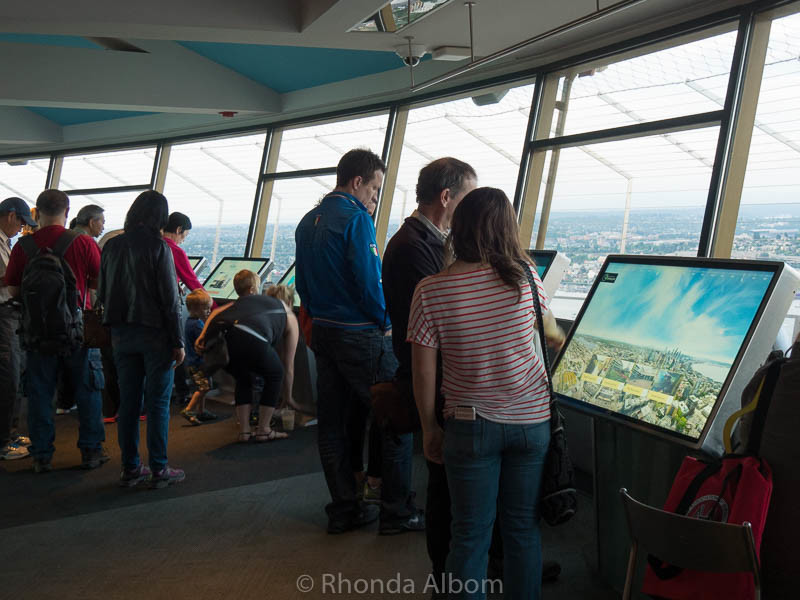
(743, 123)
(54, 171)
(393, 151)
(730, 111)
(524, 162)
(161, 166)
(258, 223)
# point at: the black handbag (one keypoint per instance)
(558, 500)
(215, 352)
(393, 406)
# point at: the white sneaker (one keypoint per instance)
(14, 451)
(66, 411)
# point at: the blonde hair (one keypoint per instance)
(282, 292)
(197, 300)
(245, 281)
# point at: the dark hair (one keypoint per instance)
(358, 163)
(443, 173)
(484, 230)
(150, 209)
(87, 213)
(176, 220)
(52, 202)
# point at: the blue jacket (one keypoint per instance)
(338, 270)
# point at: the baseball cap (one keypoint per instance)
(19, 206)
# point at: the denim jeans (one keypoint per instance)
(86, 377)
(10, 369)
(495, 467)
(348, 362)
(143, 356)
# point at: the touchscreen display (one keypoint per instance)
(219, 283)
(288, 279)
(655, 343)
(543, 259)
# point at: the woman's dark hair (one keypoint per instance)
(150, 209)
(176, 220)
(484, 230)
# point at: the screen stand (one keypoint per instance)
(646, 466)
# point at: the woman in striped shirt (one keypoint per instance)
(478, 312)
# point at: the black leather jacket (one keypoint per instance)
(138, 284)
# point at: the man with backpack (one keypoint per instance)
(51, 272)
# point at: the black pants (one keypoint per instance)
(10, 369)
(251, 357)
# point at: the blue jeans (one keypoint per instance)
(490, 467)
(348, 363)
(85, 373)
(143, 356)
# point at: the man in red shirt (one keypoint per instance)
(85, 370)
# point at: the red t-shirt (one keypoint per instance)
(183, 268)
(83, 256)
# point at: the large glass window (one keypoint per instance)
(678, 81)
(214, 183)
(291, 200)
(115, 206)
(24, 178)
(769, 215)
(487, 131)
(107, 169)
(637, 196)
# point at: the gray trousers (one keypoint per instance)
(10, 370)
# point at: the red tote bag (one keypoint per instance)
(732, 490)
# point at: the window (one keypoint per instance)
(487, 131)
(291, 200)
(107, 169)
(214, 183)
(24, 178)
(768, 226)
(638, 196)
(683, 80)
(115, 206)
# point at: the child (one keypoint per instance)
(198, 304)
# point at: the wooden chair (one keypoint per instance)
(688, 542)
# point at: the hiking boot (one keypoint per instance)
(42, 465)
(413, 522)
(165, 477)
(93, 457)
(132, 477)
(365, 515)
(13, 451)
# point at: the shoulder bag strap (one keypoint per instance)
(537, 308)
(64, 241)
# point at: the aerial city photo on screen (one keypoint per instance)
(656, 342)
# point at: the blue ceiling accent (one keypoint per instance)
(69, 41)
(290, 68)
(77, 116)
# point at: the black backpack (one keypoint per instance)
(52, 323)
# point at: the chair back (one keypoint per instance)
(688, 542)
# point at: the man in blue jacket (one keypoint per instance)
(338, 277)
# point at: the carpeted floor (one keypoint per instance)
(247, 522)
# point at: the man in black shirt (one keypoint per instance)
(414, 252)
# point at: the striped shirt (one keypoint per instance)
(486, 338)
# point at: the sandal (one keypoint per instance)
(270, 436)
(245, 436)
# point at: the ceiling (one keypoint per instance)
(65, 82)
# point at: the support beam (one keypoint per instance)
(390, 181)
(259, 233)
(168, 78)
(161, 168)
(21, 126)
(733, 181)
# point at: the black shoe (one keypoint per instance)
(42, 465)
(413, 522)
(366, 514)
(550, 571)
(93, 457)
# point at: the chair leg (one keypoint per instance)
(626, 594)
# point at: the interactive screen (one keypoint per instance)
(219, 284)
(196, 262)
(288, 279)
(543, 260)
(656, 342)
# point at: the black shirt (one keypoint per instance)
(263, 314)
(413, 253)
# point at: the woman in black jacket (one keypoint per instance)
(138, 289)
